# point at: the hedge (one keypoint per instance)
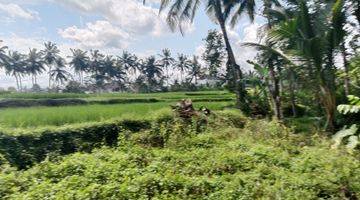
(11, 103)
(26, 147)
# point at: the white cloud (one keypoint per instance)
(242, 53)
(100, 34)
(15, 11)
(129, 15)
(124, 21)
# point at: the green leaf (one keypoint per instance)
(353, 142)
(340, 135)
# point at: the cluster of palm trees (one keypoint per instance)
(99, 70)
(300, 41)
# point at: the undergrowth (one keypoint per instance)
(256, 159)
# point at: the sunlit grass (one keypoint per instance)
(168, 95)
(58, 116)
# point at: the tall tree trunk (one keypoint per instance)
(346, 69)
(49, 81)
(278, 86)
(292, 92)
(329, 103)
(20, 83)
(234, 67)
(275, 93)
(17, 82)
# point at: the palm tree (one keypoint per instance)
(220, 11)
(3, 56)
(35, 64)
(79, 62)
(183, 64)
(195, 69)
(166, 61)
(311, 38)
(51, 55)
(337, 36)
(15, 66)
(96, 61)
(59, 74)
(151, 70)
(128, 62)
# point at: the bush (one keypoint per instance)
(27, 147)
(215, 165)
(232, 118)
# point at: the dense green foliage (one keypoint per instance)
(263, 160)
(78, 146)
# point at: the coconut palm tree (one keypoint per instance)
(152, 71)
(59, 73)
(3, 56)
(34, 64)
(195, 69)
(96, 61)
(166, 62)
(15, 66)
(221, 12)
(128, 62)
(79, 62)
(51, 56)
(183, 64)
(309, 39)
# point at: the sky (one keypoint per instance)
(110, 26)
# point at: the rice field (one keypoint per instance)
(169, 95)
(58, 116)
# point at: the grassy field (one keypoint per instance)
(58, 116)
(169, 95)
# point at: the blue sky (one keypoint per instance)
(108, 25)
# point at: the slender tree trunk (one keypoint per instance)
(167, 76)
(49, 82)
(181, 76)
(17, 82)
(234, 67)
(329, 103)
(292, 93)
(281, 81)
(275, 93)
(346, 69)
(20, 83)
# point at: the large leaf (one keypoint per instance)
(353, 142)
(340, 135)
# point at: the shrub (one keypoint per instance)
(27, 147)
(232, 118)
(205, 166)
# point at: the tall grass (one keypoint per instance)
(57, 116)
